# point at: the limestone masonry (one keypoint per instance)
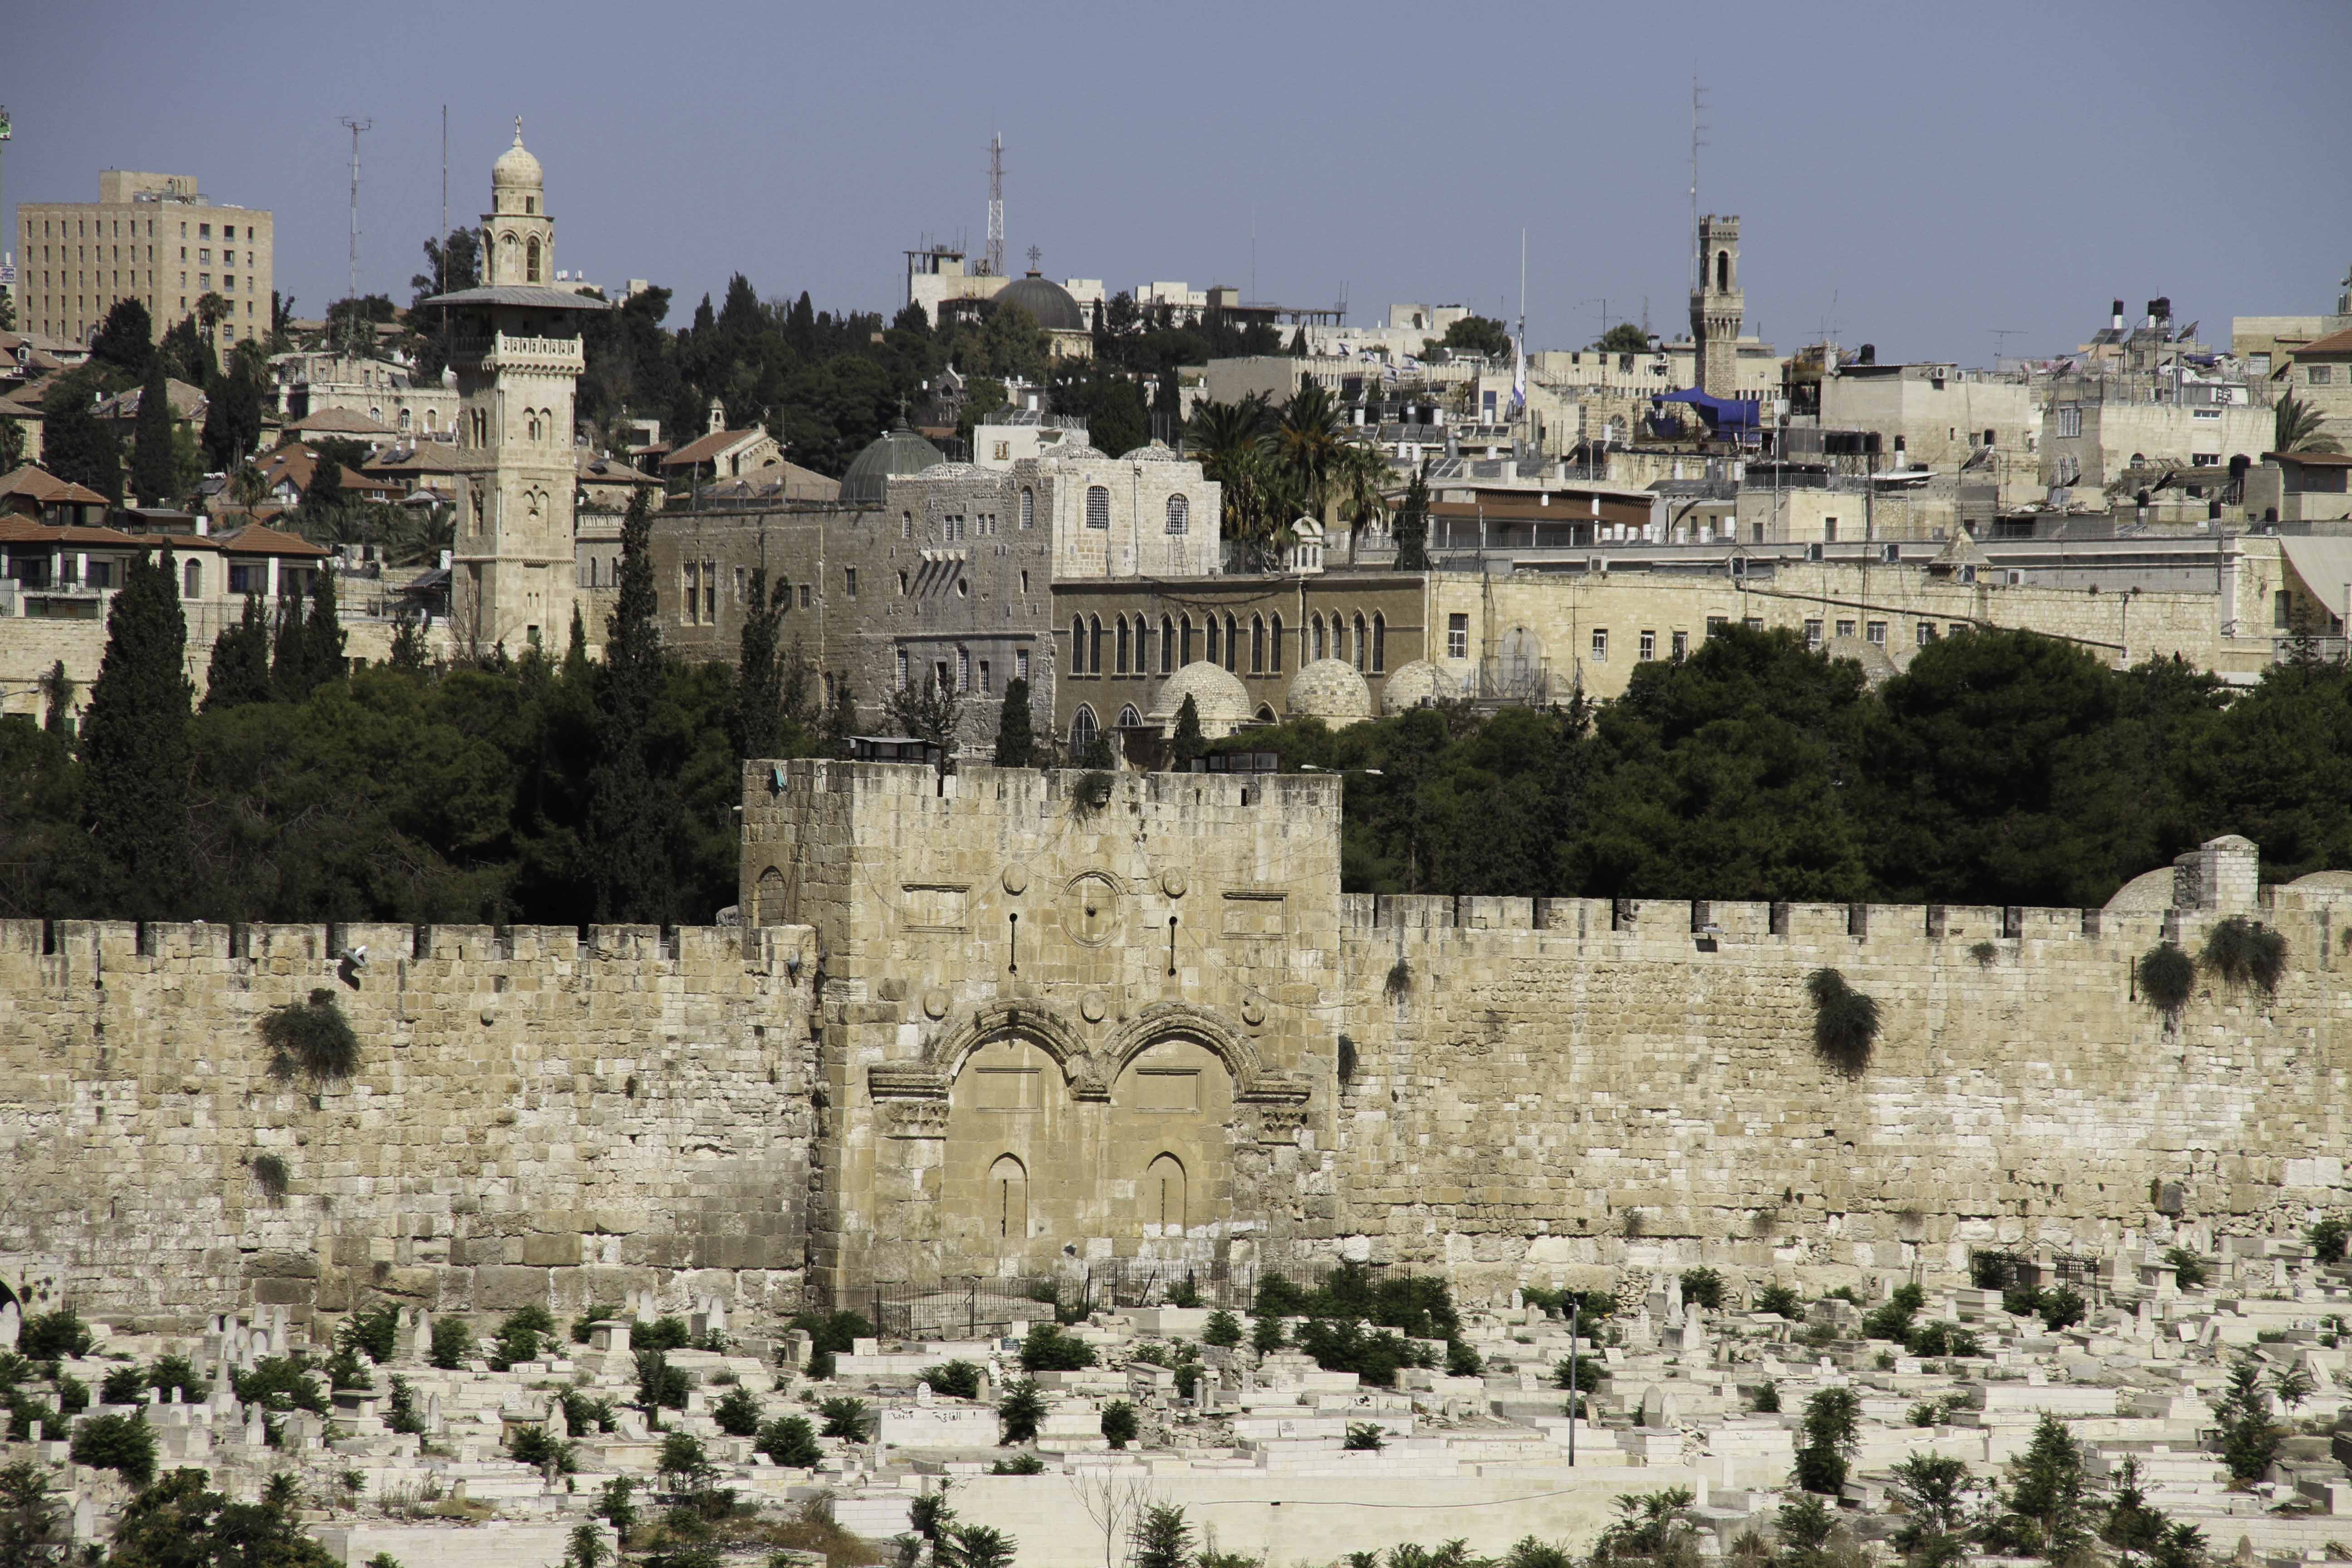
(1012, 1024)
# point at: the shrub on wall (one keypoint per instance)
(2166, 975)
(1845, 1022)
(310, 1038)
(270, 1174)
(2247, 956)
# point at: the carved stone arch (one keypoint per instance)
(944, 1056)
(1182, 1020)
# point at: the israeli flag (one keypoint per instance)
(1519, 375)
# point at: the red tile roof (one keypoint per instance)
(2333, 344)
(260, 539)
(710, 446)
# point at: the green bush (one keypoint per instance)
(73, 1395)
(663, 1334)
(1278, 1298)
(1463, 1360)
(1268, 1335)
(310, 1039)
(1224, 1330)
(375, 1330)
(23, 1411)
(1580, 1375)
(521, 1335)
(831, 1334)
(1765, 1401)
(403, 1415)
(271, 1176)
(346, 1369)
(845, 1418)
(738, 1414)
(2062, 1309)
(601, 1312)
(124, 1385)
(955, 1379)
(1845, 1022)
(1893, 1320)
(660, 1386)
(2166, 977)
(1943, 1340)
(534, 1445)
(791, 1441)
(1020, 1411)
(124, 1443)
(2021, 1302)
(1703, 1286)
(584, 1413)
(281, 1383)
(2327, 1238)
(1364, 1438)
(453, 1344)
(2187, 1268)
(1018, 1465)
(1119, 1422)
(50, 1335)
(1374, 1355)
(1048, 1348)
(2245, 955)
(1782, 1299)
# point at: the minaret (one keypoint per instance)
(515, 347)
(1718, 309)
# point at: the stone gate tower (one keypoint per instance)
(515, 346)
(1717, 308)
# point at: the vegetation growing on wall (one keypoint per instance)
(309, 1039)
(2245, 955)
(2166, 977)
(1845, 1022)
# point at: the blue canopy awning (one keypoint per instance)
(1722, 413)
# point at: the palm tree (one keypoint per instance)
(1360, 477)
(1308, 441)
(1231, 440)
(2295, 427)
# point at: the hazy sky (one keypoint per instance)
(1914, 176)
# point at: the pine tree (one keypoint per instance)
(135, 741)
(1188, 742)
(755, 719)
(1163, 1539)
(240, 667)
(290, 675)
(155, 461)
(2047, 1506)
(322, 634)
(76, 445)
(1413, 527)
(1016, 738)
(2250, 1440)
(629, 811)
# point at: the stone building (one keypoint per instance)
(154, 238)
(1718, 306)
(308, 382)
(517, 354)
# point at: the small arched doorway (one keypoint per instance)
(1160, 1195)
(1007, 1210)
(768, 899)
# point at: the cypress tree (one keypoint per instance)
(1188, 742)
(154, 461)
(240, 667)
(75, 445)
(322, 632)
(576, 650)
(289, 679)
(629, 816)
(1016, 738)
(135, 743)
(1413, 527)
(58, 687)
(755, 720)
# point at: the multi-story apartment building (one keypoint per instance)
(156, 238)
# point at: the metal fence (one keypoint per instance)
(961, 1309)
(969, 1307)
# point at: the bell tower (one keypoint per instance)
(1717, 308)
(515, 347)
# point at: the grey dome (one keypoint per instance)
(1046, 301)
(899, 452)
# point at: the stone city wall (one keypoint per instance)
(1545, 1090)
(30, 645)
(539, 1115)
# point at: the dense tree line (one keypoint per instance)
(1999, 768)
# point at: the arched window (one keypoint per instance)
(432, 421)
(1274, 646)
(403, 421)
(963, 670)
(1180, 514)
(1083, 730)
(1232, 638)
(1213, 640)
(1028, 506)
(1121, 655)
(1166, 646)
(1097, 507)
(1379, 642)
(1184, 648)
(530, 262)
(1359, 641)
(1008, 1199)
(507, 253)
(1266, 713)
(768, 899)
(1722, 270)
(1129, 718)
(1316, 623)
(193, 579)
(1077, 645)
(531, 424)
(1258, 644)
(1094, 645)
(1161, 1193)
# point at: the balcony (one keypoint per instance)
(506, 351)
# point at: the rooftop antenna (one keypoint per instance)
(995, 262)
(1699, 139)
(355, 127)
(1999, 335)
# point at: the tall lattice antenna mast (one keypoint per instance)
(995, 263)
(355, 127)
(1699, 139)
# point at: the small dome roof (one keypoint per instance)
(1152, 451)
(1071, 452)
(516, 167)
(2149, 893)
(1412, 685)
(1330, 690)
(899, 452)
(1046, 301)
(1218, 697)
